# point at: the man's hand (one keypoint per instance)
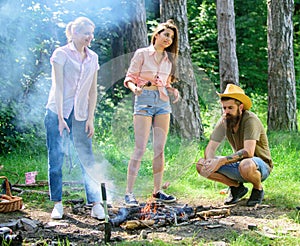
(208, 166)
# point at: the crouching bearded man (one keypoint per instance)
(251, 161)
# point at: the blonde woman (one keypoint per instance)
(70, 109)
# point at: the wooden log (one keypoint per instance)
(137, 224)
(214, 212)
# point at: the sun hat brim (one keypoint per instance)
(244, 99)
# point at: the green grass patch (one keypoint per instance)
(282, 188)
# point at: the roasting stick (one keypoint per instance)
(107, 226)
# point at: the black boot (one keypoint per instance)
(235, 194)
(256, 197)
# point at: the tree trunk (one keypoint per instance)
(281, 80)
(112, 72)
(228, 64)
(131, 36)
(186, 113)
(136, 31)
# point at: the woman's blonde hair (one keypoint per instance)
(172, 50)
(76, 25)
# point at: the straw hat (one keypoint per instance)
(235, 92)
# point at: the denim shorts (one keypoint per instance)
(150, 104)
(232, 170)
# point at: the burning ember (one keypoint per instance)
(162, 213)
(148, 210)
(152, 213)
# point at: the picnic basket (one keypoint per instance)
(8, 202)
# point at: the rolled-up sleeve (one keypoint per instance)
(59, 57)
(134, 69)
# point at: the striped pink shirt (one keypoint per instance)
(78, 78)
(144, 67)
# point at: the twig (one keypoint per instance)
(21, 191)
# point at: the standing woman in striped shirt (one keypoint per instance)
(150, 77)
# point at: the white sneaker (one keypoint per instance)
(98, 212)
(58, 211)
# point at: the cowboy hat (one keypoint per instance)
(236, 92)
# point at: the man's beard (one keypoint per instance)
(232, 121)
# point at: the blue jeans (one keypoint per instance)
(232, 170)
(83, 147)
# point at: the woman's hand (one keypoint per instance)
(176, 95)
(135, 89)
(62, 124)
(138, 91)
(89, 128)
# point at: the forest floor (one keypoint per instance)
(81, 229)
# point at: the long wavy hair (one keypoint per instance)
(172, 50)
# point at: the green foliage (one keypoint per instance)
(203, 37)
(30, 33)
(23, 89)
(7, 127)
(251, 39)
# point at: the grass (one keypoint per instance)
(282, 188)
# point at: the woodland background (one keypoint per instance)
(31, 30)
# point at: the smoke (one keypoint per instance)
(122, 138)
(29, 33)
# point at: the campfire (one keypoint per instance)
(149, 215)
(156, 214)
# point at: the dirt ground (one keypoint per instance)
(81, 229)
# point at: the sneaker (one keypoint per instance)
(130, 200)
(163, 197)
(98, 212)
(256, 197)
(58, 211)
(235, 194)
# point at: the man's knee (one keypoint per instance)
(247, 165)
(201, 171)
(248, 169)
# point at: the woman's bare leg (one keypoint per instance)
(160, 132)
(142, 126)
